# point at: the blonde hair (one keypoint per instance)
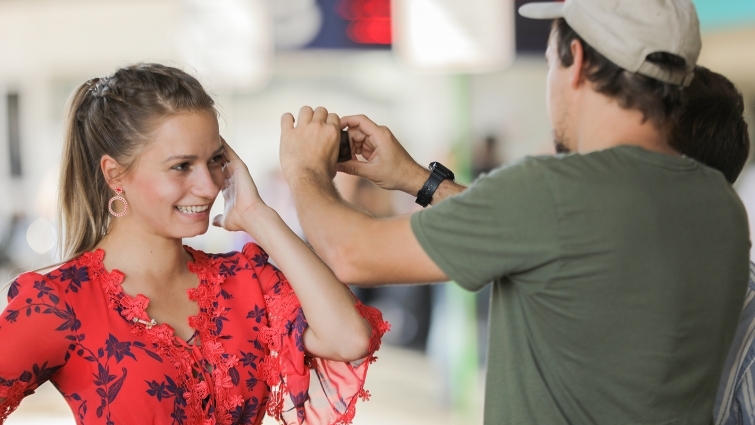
(113, 116)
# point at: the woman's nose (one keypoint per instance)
(204, 184)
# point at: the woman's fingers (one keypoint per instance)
(229, 152)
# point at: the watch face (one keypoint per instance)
(439, 168)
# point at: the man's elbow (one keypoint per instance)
(345, 265)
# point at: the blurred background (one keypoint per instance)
(459, 81)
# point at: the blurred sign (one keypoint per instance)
(229, 42)
(354, 24)
(370, 20)
(454, 35)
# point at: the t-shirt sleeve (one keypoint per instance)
(504, 224)
(306, 390)
(36, 329)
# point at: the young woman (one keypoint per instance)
(136, 328)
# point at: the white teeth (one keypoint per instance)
(192, 209)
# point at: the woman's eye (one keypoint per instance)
(181, 167)
(216, 159)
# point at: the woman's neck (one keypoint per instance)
(144, 255)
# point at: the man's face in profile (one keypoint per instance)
(556, 86)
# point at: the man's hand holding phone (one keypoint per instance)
(386, 163)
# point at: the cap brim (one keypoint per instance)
(545, 10)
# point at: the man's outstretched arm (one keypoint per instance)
(360, 249)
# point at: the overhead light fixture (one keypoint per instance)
(454, 36)
(228, 42)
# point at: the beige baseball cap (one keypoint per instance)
(627, 31)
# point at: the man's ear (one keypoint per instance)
(112, 170)
(577, 76)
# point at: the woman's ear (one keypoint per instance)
(112, 170)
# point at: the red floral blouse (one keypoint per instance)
(77, 328)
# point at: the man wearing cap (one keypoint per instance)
(618, 270)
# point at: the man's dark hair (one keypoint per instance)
(658, 101)
(711, 128)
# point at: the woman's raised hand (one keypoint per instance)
(239, 193)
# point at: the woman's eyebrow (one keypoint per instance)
(193, 157)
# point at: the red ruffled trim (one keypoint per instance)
(217, 383)
(13, 395)
(379, 328)
(280, 308)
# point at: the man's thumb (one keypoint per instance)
(352, 166)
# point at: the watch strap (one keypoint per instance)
(437, 175)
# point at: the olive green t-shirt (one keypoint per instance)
(618, 278)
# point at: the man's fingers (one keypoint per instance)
(320, 114)
(287, 121)
(357, 139)
(305, 115)
(333, 119)
(366, 125)
(355, 134)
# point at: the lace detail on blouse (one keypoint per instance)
(203, 369)
(13, 395)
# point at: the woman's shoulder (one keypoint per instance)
(53, 271)
(52, 277)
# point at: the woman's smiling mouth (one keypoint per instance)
(192, 209)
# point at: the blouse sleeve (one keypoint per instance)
(36, 329)
(306, 390)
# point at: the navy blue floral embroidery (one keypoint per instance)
(219, 323)
(252, 381)
(13, 290)
(297, 327)
(167, 390)
(257, 314)
(77, 275)
(118, 349)
(81, 411)
(45, 307)
(230, 268)
(157, 390)
(259, 260)
(246, 413)
(249, 360)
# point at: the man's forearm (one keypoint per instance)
(360, 249)
(331, 225)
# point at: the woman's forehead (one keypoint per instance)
(192, 133)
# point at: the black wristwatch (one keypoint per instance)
(438, 173)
